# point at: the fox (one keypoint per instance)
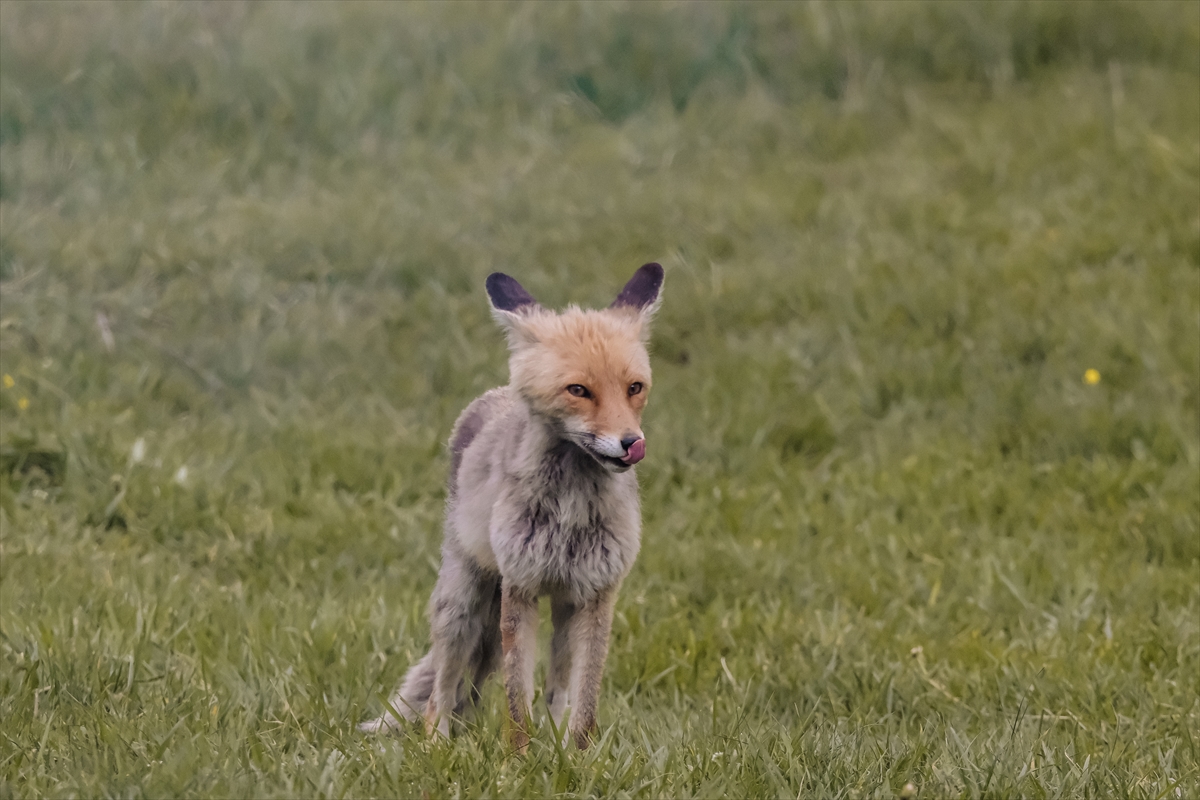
(542, 499)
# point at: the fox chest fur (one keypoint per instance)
(542, 513)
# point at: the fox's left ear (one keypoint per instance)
(642, 295)
(511, 305)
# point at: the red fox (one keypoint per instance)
(541, 501)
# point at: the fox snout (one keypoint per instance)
(635, 449)
(614, 453)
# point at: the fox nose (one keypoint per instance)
(635, 449)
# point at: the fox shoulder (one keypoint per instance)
(470, 424)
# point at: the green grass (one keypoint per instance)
(891, 534)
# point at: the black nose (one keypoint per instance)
(628, 441)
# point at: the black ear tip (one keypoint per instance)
(506, 294)
(642, 289)
(654, 271)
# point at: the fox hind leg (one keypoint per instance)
(487, 656)
(460, 614)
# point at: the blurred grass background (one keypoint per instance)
(891, 533)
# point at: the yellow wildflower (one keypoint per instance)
(8, 381)
(23, 403)
(1091, 377)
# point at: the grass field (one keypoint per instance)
(892, 533)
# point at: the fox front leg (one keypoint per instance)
(589, 632)
(558, 677)
(518, 638)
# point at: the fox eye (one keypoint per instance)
(577, 390)
(635, 388)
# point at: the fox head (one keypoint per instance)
(586, 371)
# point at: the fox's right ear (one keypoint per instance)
(642, 295)
(511, 305)
(642, 291)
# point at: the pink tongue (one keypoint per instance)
(637, 451)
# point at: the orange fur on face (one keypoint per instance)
(602, 351)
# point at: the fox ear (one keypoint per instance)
(508, 295)
(510, 304)
(642, 293)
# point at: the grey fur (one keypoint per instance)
(534, 508)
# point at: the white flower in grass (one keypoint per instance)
(138, 452)
(181, 475)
